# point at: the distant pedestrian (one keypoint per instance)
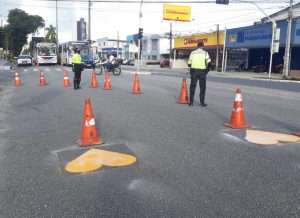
(200, 62)
(78, 67)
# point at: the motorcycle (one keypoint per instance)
(101, 67)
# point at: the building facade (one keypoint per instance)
(105, 46)
(81, 30)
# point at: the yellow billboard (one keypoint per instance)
(209, 39)
(177, 12)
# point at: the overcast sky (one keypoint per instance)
(107, 19)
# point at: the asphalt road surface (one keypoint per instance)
(188, 163)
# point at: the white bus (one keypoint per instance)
(67, 49)
(45, 53)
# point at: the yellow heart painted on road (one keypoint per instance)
(269, 138)
(94, 158)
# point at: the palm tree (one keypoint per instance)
(51, 34)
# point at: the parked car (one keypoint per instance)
(24, 60)
(164, 63)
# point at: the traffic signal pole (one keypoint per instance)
(139, 40)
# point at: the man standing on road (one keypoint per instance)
(199, 61)
(77, 66)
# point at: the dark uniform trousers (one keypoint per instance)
(77, 75)
(198, 74)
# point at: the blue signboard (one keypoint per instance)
(260, 36)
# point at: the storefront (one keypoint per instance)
(255, 41)
(213, 43)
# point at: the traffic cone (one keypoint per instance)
(89, 135)
(107, 85)
(94, 83)
(42, 79)
(183, 98)
(18, 81)
(136, 85)
(237, 117)
(66, 79)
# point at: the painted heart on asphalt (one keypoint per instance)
(269, 138)
(93, 159)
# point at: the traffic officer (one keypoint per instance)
(77, 66)
(199, 61)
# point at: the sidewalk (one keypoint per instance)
(243, 75)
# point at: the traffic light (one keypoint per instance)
(140, 33)
(224, 2)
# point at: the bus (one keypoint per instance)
(45, 53)
(67, 49)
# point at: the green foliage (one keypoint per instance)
(2, 41)
(51, 34)
(20, 24)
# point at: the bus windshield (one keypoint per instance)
(46, 51)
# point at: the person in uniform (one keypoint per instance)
(199, 62)
(77, 66)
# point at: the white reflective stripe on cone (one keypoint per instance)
(90, 123)
(238, 97)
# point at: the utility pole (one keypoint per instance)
(118, 44)
(224, 51)
(171, 38)
(218, 42)
(89, 20)
(286, 64)
(56, 26)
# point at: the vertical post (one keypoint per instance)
(118, 44)
(89, 20)
(224, 51)
(56, 25)
(286, 64)
(218, 42)
(171, 38)
(274, 26)
(139, 40)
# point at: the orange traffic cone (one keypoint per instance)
(66, 79)
(42, 79)
(136, 85)
(17, 80)
(89, 135)
(94, 83)
(237, 117)
(183, 98)
(107, 85)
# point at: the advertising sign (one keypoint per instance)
(209, 39)
(177, 12)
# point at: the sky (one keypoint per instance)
(111, 19)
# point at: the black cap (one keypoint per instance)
(200, 44)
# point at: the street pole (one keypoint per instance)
(118, 44)
(89, 20)
(171, 38)
(224, 51)
(286, 64)
(56, 26)
(218, 42)
(139, 40)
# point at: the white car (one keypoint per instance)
(24, 60)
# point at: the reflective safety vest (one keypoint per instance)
(199, 59)
(76, 59)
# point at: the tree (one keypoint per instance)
(51, 34)
(20, 24)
